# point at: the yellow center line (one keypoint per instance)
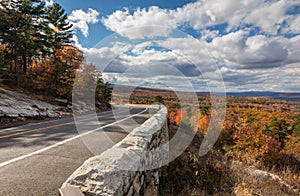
(52, 126)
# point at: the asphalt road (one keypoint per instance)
(35, 159)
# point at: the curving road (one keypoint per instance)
(35, 159)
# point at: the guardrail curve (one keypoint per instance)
(123, 169)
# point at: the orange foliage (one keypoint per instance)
(70, 55)
(203, 123)
(176, 116)
(58, 72)
(245, 130)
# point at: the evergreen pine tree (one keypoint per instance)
(59, 31)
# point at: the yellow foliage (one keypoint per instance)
(59, 71)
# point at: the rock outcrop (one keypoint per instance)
(16, 105)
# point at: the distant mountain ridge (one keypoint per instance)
(273, 95)
(288, 96)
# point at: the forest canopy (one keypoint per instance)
(36, 50)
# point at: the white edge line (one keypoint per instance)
(65, 141)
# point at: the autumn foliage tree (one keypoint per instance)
(90, 87)
(59, 72)
(252, 134)
(36, 50)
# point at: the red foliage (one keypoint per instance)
(274, 146)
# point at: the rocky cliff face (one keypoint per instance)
(15, 105)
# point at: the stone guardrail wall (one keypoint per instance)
(154, 106)
(131, 167)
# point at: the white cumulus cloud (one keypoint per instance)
(143, 23)
(252, 51)
(81, 19)
(270, 16)
(241, 51)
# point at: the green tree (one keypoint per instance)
(103, 92)
(279, 129)
(158, 99)
(20, 26)
(58, 37)
(58, 30)
(34, 40)
(6, 76)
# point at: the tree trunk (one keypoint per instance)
(16, 68)
(24, 64)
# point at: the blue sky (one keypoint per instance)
(98, 31)
(246, 45)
